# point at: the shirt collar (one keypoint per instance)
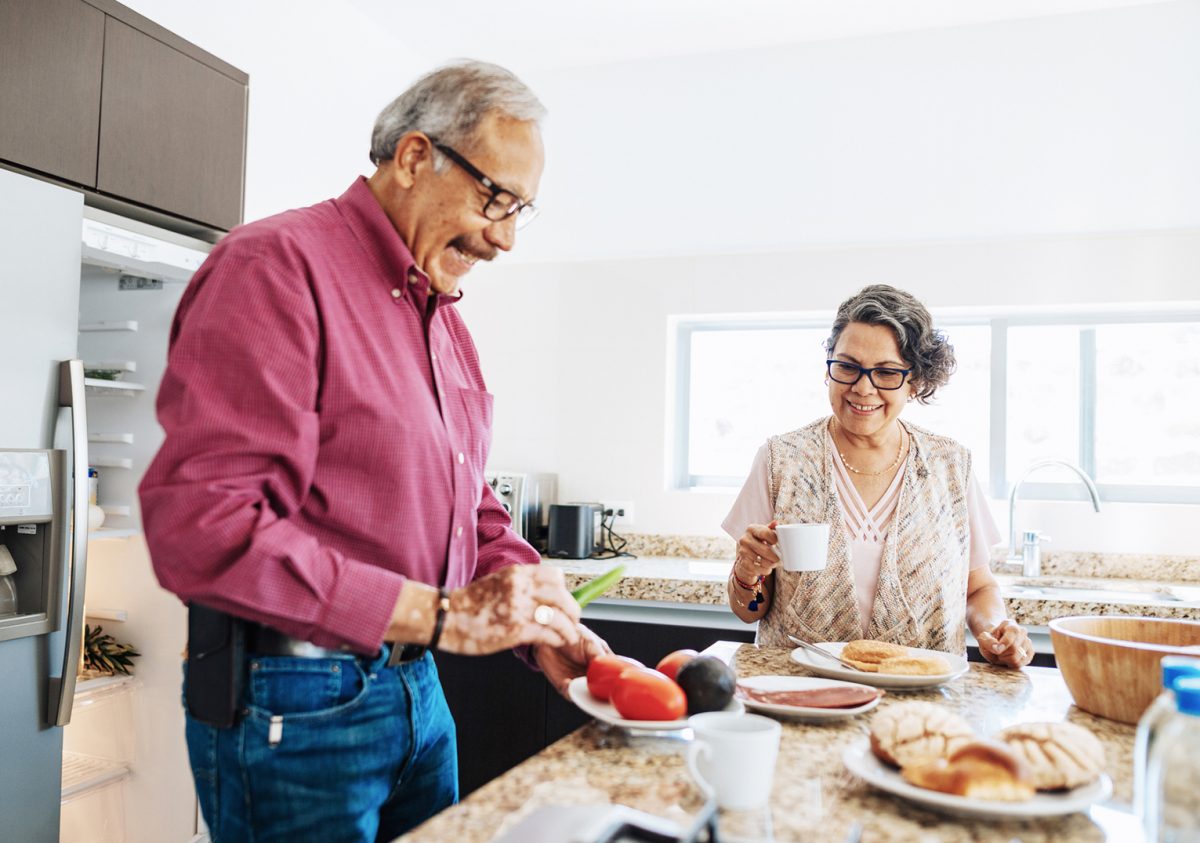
(385, 247)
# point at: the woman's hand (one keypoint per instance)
(756, 555)
(1007, 644)
(520, 604)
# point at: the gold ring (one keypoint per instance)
(543, 614)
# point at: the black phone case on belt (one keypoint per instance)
(216, 666)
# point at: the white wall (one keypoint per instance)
(1075, 123)
(1049, 161)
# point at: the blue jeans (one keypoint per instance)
(336, 750)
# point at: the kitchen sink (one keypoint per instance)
(1103, 593)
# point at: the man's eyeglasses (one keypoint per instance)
(882, 377)
(503, 203)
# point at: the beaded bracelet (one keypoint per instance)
(749, 586)
(756, 587)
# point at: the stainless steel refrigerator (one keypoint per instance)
(79, 284)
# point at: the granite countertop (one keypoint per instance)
(814, 798)
(692, 580)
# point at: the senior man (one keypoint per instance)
(319, 500)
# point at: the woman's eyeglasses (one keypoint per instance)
(881, 377)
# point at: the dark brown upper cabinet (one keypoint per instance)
(172, 130)
(50, 63)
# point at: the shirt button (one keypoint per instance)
(432, 356)
(458, 532)
(461, 458)
(412, 278)
(396, 293)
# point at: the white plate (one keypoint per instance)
(860, 761)
(801, 683)
(895, 681)
(607, 712)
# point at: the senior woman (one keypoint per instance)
(910, 533)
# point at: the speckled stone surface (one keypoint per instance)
(814, 798)
(1128, 566)
(702, 581)
(695, 547)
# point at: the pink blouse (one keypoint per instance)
(867, 526)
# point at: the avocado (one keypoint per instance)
(708, 684)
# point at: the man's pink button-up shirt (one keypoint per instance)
(327, 427)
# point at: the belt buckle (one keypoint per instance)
(405, 654)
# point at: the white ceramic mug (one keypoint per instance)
(732, 757)
(803, 547)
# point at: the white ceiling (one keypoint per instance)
(562, 33)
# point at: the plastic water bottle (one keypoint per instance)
(1150, 727)
(1173, 774)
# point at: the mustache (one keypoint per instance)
(475, 250)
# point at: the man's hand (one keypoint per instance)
(562, 664)
(520, 604)
(1007, 644)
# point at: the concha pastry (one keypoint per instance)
(977, 770)
(906, 733)
(1060, 755)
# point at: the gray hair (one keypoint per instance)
(925, 349)
(449, 103)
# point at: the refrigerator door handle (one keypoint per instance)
(62, 689)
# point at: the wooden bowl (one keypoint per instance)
(1112, 665)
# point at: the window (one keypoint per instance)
(1117, 393)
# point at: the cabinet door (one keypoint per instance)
(173, 130)
(50, 56)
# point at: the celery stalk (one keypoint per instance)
(596, 586)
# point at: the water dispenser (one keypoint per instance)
(34, 491)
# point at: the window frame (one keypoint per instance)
(1086, 319)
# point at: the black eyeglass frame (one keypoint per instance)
(870, 373)
(524, 211)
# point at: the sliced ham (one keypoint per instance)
(834, 696)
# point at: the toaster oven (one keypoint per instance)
(527, 498)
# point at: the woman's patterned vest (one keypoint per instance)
(921, 597)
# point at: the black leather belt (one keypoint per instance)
(266, 641)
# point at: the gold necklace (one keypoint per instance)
(896, 462)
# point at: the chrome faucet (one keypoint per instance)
(1031, 554)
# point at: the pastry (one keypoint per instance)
(866, 654)
(1059, 755)
(909, 732)
(976, 770)
(914, 666)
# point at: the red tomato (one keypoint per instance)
(671, 662)
(644, 694)
(603, 672)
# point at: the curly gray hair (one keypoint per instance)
(449, 103)
(926, 349)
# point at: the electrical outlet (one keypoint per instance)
(623, 510)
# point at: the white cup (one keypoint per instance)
(733, 757)
(803, 547)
